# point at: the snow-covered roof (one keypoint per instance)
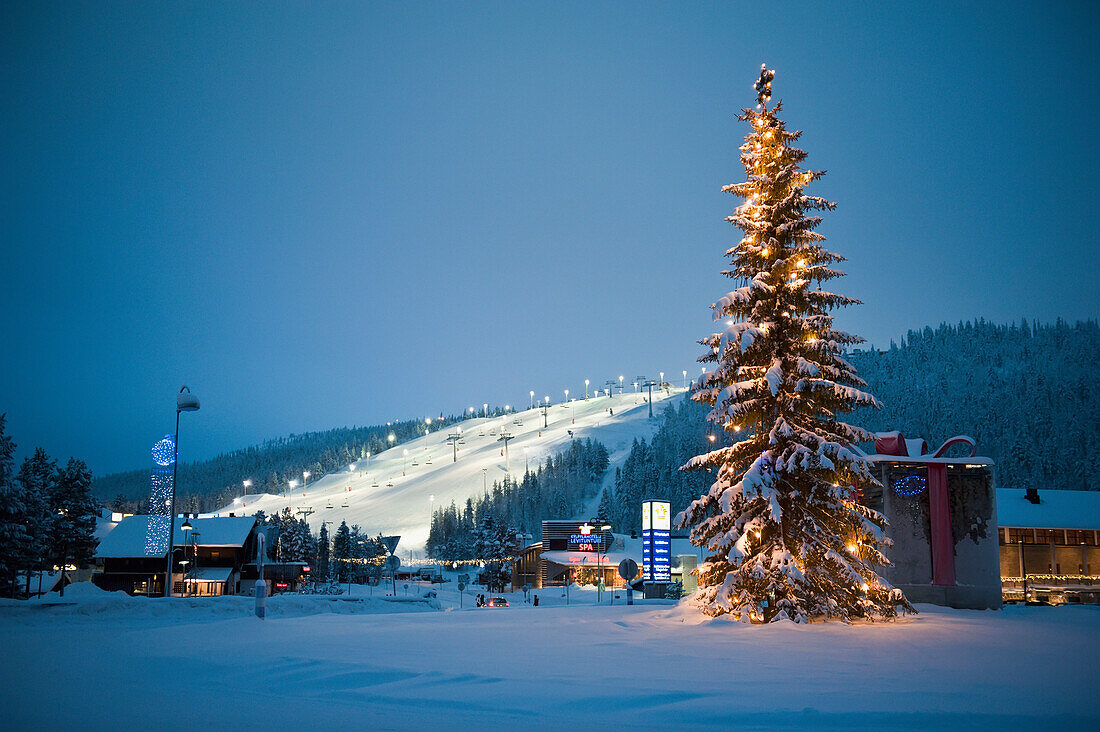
(130, 538)
(1055, 510)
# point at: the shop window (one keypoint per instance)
(1017, 536)
(1076, 536)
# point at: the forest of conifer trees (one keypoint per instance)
(1023, 391)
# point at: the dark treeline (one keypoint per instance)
(47, 516)
(484, 527)
(1024, 392)
(213, 483)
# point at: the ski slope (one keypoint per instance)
(392, 492)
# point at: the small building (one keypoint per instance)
(942, 510)
(566, 554)
(208, 559)
(1049, 545)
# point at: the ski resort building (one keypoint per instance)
(208, 558)
(567, 555)
(214, 556)
(1049, 545)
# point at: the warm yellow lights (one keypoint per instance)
(766, 251)
(866, 587)
(852, 548)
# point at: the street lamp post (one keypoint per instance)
(186, 529)
(586, 389)
(620, 385)
(604, 527)
(185, 402)
(685, 379)
(532, 399)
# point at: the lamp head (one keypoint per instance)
(186, 401)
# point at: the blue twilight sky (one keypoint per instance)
(327, 214)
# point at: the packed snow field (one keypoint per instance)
(108, 661)
(391, 492)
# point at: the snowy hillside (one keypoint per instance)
(392, 491)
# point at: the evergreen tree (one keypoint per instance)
(73, 531)
(341, 552)
(15, 543)
(38, 476)
(778, 517)
(321, 568)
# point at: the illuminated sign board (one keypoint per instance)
(586, 542)
(656, 541)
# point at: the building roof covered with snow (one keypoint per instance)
(131, 537)
(1055, 509)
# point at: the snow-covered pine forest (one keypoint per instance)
(1023, 391)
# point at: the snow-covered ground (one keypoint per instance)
(391, 492)
(113, 662)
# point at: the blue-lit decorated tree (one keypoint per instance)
(784, 535)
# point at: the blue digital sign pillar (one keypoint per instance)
(656, 541)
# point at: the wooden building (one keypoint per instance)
(1049, 545)
(208, 558)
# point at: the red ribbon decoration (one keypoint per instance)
(939, 507)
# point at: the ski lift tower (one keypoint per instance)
(649, 384)
(505, 436)
(455, 439)
(610, 384)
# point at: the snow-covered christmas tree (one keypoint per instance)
(785, 535)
